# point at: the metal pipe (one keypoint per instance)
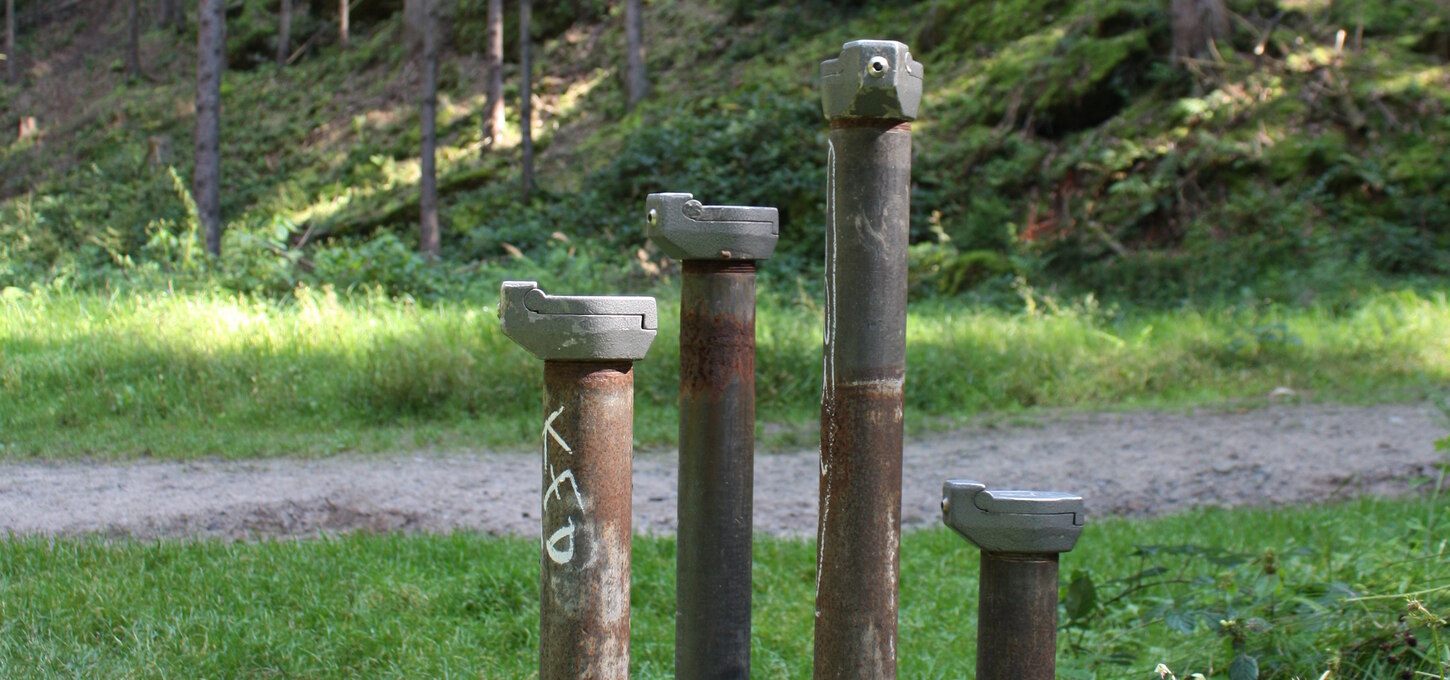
(588, 345)
(1017, 617)
(719, 246)
(1021, 534)
(717, 459)
(870, 93)
(584, 587)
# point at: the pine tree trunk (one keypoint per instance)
(636, 81)
(493, 121)
(342, 12)
(526, 94)
(210, 62)
(284, 33)
(428, 182)
(133, 42)
(171, 16)
(10, 57)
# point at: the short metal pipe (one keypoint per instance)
(717, 453)
(588, 434)
(1017, 617)
(859, 526)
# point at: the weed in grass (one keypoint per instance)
(1336, 599)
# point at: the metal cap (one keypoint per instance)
(871, 79)
(687, 230)
(1034, 522)
(577, 328)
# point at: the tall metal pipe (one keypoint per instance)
(869, 94)
(588, 345)
(719, 246)
(717, 454)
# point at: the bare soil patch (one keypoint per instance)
(1140, 463)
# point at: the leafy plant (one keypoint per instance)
(1279, 614)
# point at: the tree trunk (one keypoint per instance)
(210, 62)
(172, 16)
(10, 56)
(1196, 25)
(342, 12)
(526, 95)
(133, 42)
(428, 182)
(636, 81)
(284, 33)
(493, 57)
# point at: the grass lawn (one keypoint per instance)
(1297, 591)
(192, 374)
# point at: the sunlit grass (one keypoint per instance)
(191, 374)
(465, 605)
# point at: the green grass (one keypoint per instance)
(182, 374)
(1314, 589)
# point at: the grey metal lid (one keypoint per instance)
(577, 328)
(1036, 522)
(687, 230)
(871, 79)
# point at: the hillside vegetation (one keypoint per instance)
(1059, 145)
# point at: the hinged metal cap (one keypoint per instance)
(687, 230)
(577, 328)
(1033, 522)
(871, 79)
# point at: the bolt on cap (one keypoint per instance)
(871, 79)
(998, 521)
(687, 230)
(577, 328)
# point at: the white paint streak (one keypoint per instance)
(614, 550)
(888, 383)
(828, 368)
(828, 379)
(893, 533)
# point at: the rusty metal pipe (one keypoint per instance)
(719, 246)
(1017, 617)
(588, 345)
(588, 438)
(867, 204)
(717, 454)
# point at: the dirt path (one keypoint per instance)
(1128, 464)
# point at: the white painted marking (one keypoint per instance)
(549, 431)
(567, 531)
(555, 554)
(554, 487)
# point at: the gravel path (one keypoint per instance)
(1126, 464)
